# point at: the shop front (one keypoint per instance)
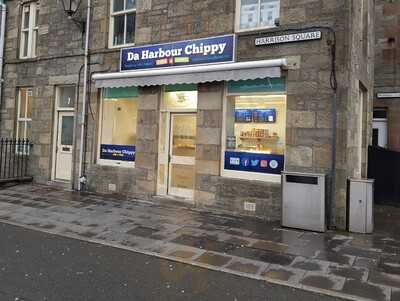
(195, 127)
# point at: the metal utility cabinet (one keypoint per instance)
(360, 206)
(303, 201)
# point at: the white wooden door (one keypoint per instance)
(64, 146)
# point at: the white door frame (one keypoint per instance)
(381, 124)
(174, 191)
(57, 110)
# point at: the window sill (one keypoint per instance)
(251, 176)
(255, 30)
(121, 46)
(28, 58)
(115, 164)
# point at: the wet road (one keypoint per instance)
(37, 266)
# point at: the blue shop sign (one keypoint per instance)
(262, 163)
(118, 152)
(193, 52)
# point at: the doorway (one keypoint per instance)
(177, 145)
(64, 133)
(182, 153)
(65, 136)
(380, 128)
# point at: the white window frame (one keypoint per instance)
(106, 162)
(24, 119)
(247, 175)
(238, 16)
(113, 14)
(30, 31)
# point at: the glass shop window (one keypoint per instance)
(118, 127)
(255, 129)
(254, 14)
(122, 22)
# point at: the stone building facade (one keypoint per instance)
(307, 80)
(387, 77)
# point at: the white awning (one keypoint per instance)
(191, 74)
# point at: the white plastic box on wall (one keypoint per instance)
(360, 206)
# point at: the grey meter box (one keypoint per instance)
(360, 206)
(303, 201)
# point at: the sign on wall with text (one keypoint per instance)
(254, 162)
(118, 152)
(192, 52)
(289, 38)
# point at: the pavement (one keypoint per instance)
(338, 264)
(36, 266)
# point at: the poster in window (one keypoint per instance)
(243, 116)
(254, 162)
(113, 152)
(264, 115)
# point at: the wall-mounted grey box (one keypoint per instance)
(360, 206)
(303, 201)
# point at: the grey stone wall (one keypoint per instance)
(208, 141)
(309, 95)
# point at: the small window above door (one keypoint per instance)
(66, 96)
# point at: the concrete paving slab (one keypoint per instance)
(308, 264)
(214, 259)
(364, 262)
(336, 257)
(248, 268)
(367, 290)
(323, 281)
(277, 272)
(349, 272)
(384, 279)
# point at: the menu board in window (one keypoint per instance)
(255, 115)
(264, 115)
(243, 116)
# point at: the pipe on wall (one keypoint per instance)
(3, 11)
(82, 178)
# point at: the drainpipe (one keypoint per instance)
(3, 10)
(82, 178)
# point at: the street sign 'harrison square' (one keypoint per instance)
(289, 38)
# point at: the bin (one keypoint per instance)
(303, 201)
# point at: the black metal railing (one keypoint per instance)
(14, 159)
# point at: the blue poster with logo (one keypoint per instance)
(192, 52)
(243, 116)
(255, 115)
(264, 115)
(262, 163)
(118, 152)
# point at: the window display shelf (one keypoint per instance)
(271, 139)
